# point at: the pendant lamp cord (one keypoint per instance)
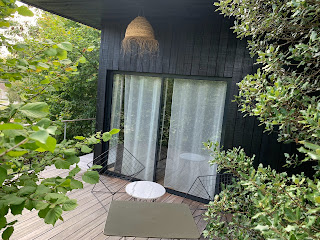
(141, 12)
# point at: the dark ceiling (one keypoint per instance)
(94, 12)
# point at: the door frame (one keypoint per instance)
(108, 104)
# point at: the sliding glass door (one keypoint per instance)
(135, 110)
(164, 122)
(196, 117)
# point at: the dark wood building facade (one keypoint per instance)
(195, 43)
(207, 48)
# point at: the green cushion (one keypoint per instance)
(150, 219)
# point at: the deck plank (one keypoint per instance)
(87, 221)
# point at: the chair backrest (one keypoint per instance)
(119, 161)
(206, 187)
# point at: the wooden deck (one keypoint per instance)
(85, 222)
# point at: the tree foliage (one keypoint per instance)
(72, 96)
(284, 92)
(27, 135)
(285, 36)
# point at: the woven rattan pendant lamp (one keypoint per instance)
(140, 33)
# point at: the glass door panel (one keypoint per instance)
(141, 97)
(196, 117)
(190, 112)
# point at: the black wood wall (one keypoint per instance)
(199, 48)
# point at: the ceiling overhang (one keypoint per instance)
(96, 12)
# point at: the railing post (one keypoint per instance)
(65, 131)
(73, 120)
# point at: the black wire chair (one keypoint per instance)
(117, 163)
(204, 189)
(201, 192)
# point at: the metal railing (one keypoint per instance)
(73, 120)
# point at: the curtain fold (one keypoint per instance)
(196, 117)
(141, 114)
(116, 112)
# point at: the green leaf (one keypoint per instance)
(44, 123)
(52, 130)
(43, 66)
(7, 126)
(14, 133)
(73, 159)
(65, 46)
(14, 200)
(74, 171)
(50, 52)
(62, 164)
(290, 228)
(317, 199)
(66, 61)
(20, 46)
(66, 183)
(62, 54)
(53, 215)
(91, 48)
(261, 227)
(43, 212)
(62, 189)
(3, 175)
(45, 81)
(29, 204)
(27, 190)
(50, 144)
(51, 196)
(4, 209)
(35, 110)
(293, 237)
(42, 189)
(17, 153)
(40, 136)
(69, 152)
(313, 36)
(40, 205)
(24, 11)
(91, 177)
(23, 62)
(114, 131)
(96, 167)
(106, 136)
(79, 137)
(7, 233)
(3, 222)
(69, 205)
(289, 214)
(17, 209)
(75, 184)
(4, 24)
(311, 145)
(82, 59)
(85, 149)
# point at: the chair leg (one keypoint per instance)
(100, 203)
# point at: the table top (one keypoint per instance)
(145, 190)
(150, 220)
(192, 157)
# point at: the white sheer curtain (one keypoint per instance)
(196, 116)
(141, 116)
(117, 98)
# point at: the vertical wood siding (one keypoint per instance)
(207, 48)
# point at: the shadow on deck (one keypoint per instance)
(87, 221)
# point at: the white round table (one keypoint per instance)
(145, 190)
(192, 157)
